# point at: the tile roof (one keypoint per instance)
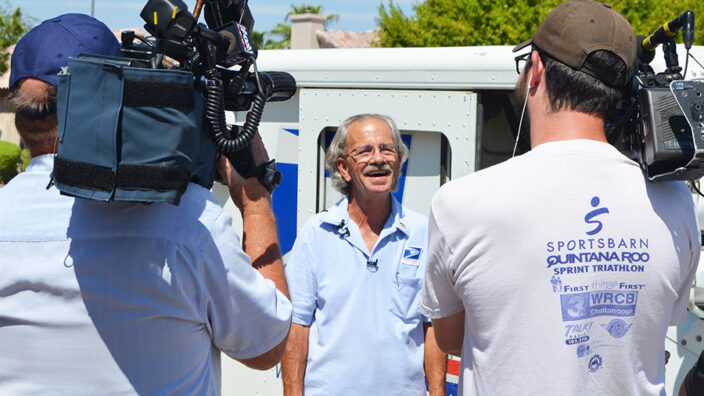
(343, 39)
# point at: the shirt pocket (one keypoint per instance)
(404, 298)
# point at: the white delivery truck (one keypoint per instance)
(456, 112)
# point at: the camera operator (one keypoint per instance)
(125, 298)
(558, 271)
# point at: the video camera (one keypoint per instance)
(664, 114)
(162, 116)
(208, 54)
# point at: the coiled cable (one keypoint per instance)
(226, 137)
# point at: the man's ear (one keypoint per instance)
(344, 170)
(537, 70)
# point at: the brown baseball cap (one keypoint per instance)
(576, 28)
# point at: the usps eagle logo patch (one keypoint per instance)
(411, 255)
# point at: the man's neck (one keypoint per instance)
(370, 213)
(566, 125)
(38, 152)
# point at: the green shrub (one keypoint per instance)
(9, 157)
(447, 23)
(26, 157)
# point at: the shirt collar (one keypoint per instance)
(44, 162)
(338, 213)
(579, 145)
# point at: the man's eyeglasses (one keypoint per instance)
(521, 61)
(365, 153)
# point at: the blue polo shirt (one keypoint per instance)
(366, 333)
(125, 298)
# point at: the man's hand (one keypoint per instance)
(246, 193)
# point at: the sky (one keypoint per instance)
(354, 15)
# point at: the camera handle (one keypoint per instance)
(232, 140)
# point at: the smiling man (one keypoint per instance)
(355, 274)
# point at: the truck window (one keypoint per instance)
(498, 117)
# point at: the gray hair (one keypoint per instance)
(23, 101)
(338, 149)
(35, 119)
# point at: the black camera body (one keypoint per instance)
(663, 136)
(211, 54)
(162, 117)
(663, 122)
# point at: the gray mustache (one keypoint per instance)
(375, 168)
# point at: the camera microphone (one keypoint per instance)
(236, 46)
(645, 55)
(229, 39)
(688, 29)
(221, 12)
(669, 30)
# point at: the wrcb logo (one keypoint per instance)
(580, 306)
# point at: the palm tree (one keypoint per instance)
(281, 32)
(304, 8)
(282, 37)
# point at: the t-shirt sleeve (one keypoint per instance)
(248, 316)
(679, 310)
(302, 284)
(438, 298)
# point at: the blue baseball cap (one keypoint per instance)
(44, 50)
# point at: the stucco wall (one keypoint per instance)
(8, 132)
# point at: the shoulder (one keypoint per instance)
(329, 219)
(413, 219)
(198, 203)
(30, 211)
(674, 193)
(677, 189)
(318, 225)
(189, 222)
(200, 214)
(671, 198)
(480, 185)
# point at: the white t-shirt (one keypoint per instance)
(569, 265)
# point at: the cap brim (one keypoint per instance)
(522, 45)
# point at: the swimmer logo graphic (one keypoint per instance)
(589, 217)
